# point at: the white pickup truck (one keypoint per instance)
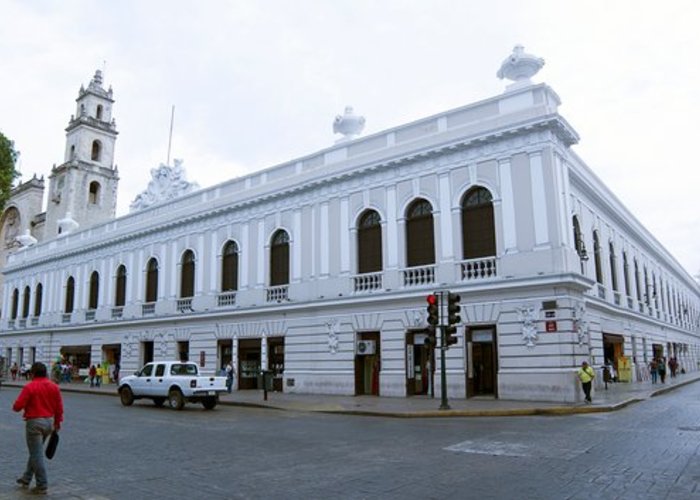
(173, 381)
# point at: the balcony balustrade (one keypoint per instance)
(418, 276)
(148, 308)
(226, 299)
(184, 305)
(117, 312)
(367, 282)
(477, 269)
(277, 293)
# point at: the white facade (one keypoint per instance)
(532, 310)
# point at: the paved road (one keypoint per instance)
(649, 450)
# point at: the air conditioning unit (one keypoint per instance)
(365, 347)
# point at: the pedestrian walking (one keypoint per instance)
(14, 370)
(673, 366)
(662, 370)
(98, 375)
(92, 372)
(229, 377)
(43, 414)
(586, 376)
(654, 370)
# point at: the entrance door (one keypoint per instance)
(225, 353)
(482, 362)
(420, 364)
(147, 352)
(275, 361)
(249, 364)
(613, 349)
(367, 364)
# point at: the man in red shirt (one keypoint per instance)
(43, 412)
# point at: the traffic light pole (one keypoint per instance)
(443, 374)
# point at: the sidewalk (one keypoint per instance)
(616, 397)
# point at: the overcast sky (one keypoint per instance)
(259, 83)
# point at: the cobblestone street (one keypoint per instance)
(646, 450)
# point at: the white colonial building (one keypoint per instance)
(318, 269)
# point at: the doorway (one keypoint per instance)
(146, 352)
(183, 351)
(225, 352)
(420, 364)
(367, 364)
(613, 349)
(249, 364)
(275, 361)
(482, 362)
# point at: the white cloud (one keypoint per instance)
(257, 83)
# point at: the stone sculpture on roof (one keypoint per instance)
(520, 67)
(167, 183)
(348, 124)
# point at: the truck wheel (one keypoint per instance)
(209, 403)
(175, 399)
(158, 402)
(126, 396)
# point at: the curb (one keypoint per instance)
(513, 412)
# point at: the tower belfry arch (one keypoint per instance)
(84, 187)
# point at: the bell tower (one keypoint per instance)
(84, 187)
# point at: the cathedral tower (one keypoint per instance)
(84, 187)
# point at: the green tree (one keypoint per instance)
(8, 173)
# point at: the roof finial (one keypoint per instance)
(348, 124)
(520, 67)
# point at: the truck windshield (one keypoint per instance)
(183, 369)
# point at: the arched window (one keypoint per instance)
(187, 275)
(229, 267)
(647, 290)
(72, 152)
(94, 193)
(38, 297)
(369, 243)
(152, 280)
(626, 272)
(25, 302)
(96, 150)
(98, 112)
(15, 303)
(638, 280)
(613, 267)
(279, 258)
(478, 228)
(120, 292)
(70, 295)
(597, 257)
(94, 290)
(420, 245)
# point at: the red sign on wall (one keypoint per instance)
(551, 326)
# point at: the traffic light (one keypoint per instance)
(450, 335)
(453, 308)
(433, 311)
(452, 318)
